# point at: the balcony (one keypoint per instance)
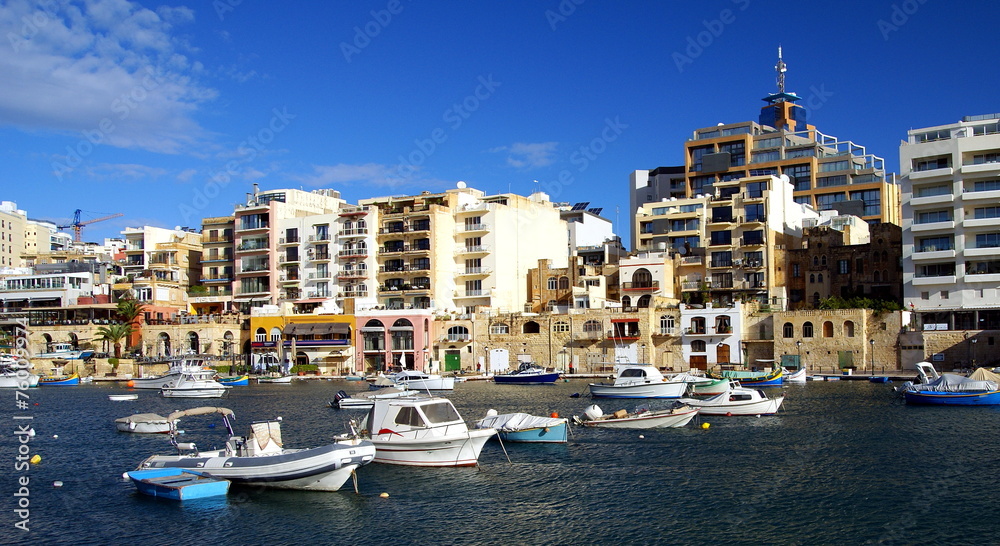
(721, 263)
(990, 195)
(931, 173)
(624, 335)
(471, 294)
(253, 226)
(942, 279)
(353, 253)
(285, 259)
(252, 247)
(456, 338)
(932, 253)
(474, 271)
(755, 219)
(471, 228)
(936, 226)
(933, 199)
(216, 240)
(353, 294)
(217, 278)
(255, 268)
(751, 241)
(722, 219)
(352, 274)
(692, 260)
(288, 279)
(216, 258)
(319, 257)
(977, 222)
(648, 286)
(319, 238)
(353, 232)
(288, 241)
(478, 249)
(976, 168)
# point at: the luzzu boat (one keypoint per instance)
(238, 381)
(59, 380)
(771, 378)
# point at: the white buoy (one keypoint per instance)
(641, 437)
(31, 432)
(57, 484)
(384, 495)
(56, 436)
(124, 475)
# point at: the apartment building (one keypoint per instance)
(160, 265)
(13, 225)
(951, 224)
(214, 293)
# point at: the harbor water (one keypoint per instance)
(843, 463)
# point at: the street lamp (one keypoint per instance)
(798, 345)
(643, 359)
(872, 342)
(973, 341)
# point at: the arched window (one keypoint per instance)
(816, 260)
(551, 306)
(885, 275)
(592, 326)
(723, 325)
(275, 334)
(667, 324)
(815, 298)
(819, 277)
(698, 346)
(530, 327)
(458, 333)
(193, 342)
(260, 335)
(822, 260)
(642, 278)
(698, 325)
(643, 301)
(553, 283)
(827, 329)
(228, 347)
(812, 277)
(787, 330)
(626, 302)
(563, 283)
(875, 276)
(163, 344)
(849, 328)
(807, 329)
(362, 225)
(560, 326)
(500, 328)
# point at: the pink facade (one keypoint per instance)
(391, 338)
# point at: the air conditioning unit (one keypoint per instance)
(738, 262)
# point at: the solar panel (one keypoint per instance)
(581, 206)
(596, 211)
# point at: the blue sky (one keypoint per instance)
(170, 112)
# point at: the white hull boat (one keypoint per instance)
(191, 386)
(798, 376)
(67, 352)
(423, 431)
(260, 459)
(365, 400)
(638, 381)
(18, 380)
(641, 418)
(283, 380)
(122, 397)
(194, 367)
(419, 381)
(143, 423)
(738, 401)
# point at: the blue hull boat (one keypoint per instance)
(178, 484)
(241, 381)
(938, 398)
(526, 378)
(521, 427)
(879, 379)
(70, 381)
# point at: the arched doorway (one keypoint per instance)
(722, 354)
(193, 346)
(163, 344)
(452, 359)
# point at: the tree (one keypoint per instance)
(114, 334)
(130, 309)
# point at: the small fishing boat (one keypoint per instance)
(178, 484)
(143, 423)
(260, 458)
(422, 431)
(66, 351)
(15, 374)
(191, 365)
(421, 381)
(122, 397)
(235, 381)
(738, 401)
(71, 380)
(638, 381)
(342, 400)
(522, 427)
(640, 418)
(798, 376)
(701, 385)
(527, 374)
(193, 386)
(879, 379)
(281, 380)
(951, 389)
(746, 378)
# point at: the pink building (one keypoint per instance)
(393, 337)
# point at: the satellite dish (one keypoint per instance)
(461, 185)
(680, 249)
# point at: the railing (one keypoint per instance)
(349, 252)
(650, 285)
(254, 268)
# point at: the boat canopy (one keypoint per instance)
(956, 383)
(513, 422)
(143, 418)
(982, 374)
(204, 410)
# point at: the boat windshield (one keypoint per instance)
(633, 372)
(441, 412)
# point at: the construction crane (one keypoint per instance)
(77, 225)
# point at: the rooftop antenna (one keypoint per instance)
(781, 69)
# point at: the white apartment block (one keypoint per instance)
(951, 223)
(13, 224)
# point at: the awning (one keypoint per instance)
(317, 328)
(311, 300)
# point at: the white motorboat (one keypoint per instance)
(364, 400)
(15, 373)
(798, 376)
(638, 381)
(738, 401)
(191, 365)
(282, 380)
(422, 431)
(641, 417)
(66, 351)
(122, 397)
(421, 381)
(143, 423)
(260, 458)
(193, 386)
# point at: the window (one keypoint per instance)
(843, 267)
(944, 294)
(936, 270)
(925, 295)
(987, 240)
(827, 329)
(667, 324)
(721, 238)
(592, 327)
(986, 212)
(500, 328)
(830, 181)
(942, 162)
(553, 283)
(765, 157)
(930, 191)
(737, 153)
(696, 157)
(787, 330)
(698, 346)
(796, 270)
(800, 176)
(564, 283)
(828, 200)
(871, 198)
(849, 328)
(938, 216)
(980, 159)
(560, 326)
(933, 244)
(807, 329)
(986, 185)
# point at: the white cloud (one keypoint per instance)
(369, 173)
(525, 155)
(186, 175)
(115, 171)
(110, 69)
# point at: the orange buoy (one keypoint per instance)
(130, 383)
(554, 415)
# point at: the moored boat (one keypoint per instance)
(235, 381)
(640, 418)
(638, 381)
(71, 380)
(522, 427)
(798, 376)
(15, 373)
(420, 381)
(422, 431)
(193, 386)
(260, 458)
(771, 378)
(527, 374)
(122, 397)
(190, 365)
(738, 400)
(178, 484)
(342, 400)
(951, 389)
(66, 351)
(280, 380)
(143, 423)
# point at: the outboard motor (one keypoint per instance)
(338, 397)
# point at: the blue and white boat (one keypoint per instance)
(639, 381)
(178, 484)
(238, 381)
(771, 378)
(66, 351)
(527, 374)
(949, 389)
(522, 427)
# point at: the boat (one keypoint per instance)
(71, 380)
(422, 431)
(701, 385)
(193, 386)
(143, 423)
(122, 397)
(260, 458)
(527, 374)
(798, 376)
(194, 366)
(421, 381)
(879, 379)
(771, 378)
(66, 351)
(638, 381)
(178, 484)
(236, 381)
(738, 400)
(641, 417)
(951, 389)
(15, 374)
(281, 380)
(522, 427)
(342, 400)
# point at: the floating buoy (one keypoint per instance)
(705, 426)
(384, 495)
(729, 414)
(31, 432)
(554, 415)
(641, 437)
(56, 484)
(565, 380)
(575, 395)
(130, 383)
(56, 436)
(124, 475)
(211, 425)
(36, 403)
(36, 459)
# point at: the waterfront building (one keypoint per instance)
(160, 266)
(711, 335)
(561, 289)
(213, 293)
(951, 224)
(323, 341)
(257, 232)
(388, 338)
(13, 226)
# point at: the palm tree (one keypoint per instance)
(114, 334)
(129, 309)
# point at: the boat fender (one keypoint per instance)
(554, 415)
(732, 398)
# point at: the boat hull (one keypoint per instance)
(525, 379)
(206, 392)
(661, 389)
(122, 397)
(285, 380)
(556, 434)
(798, 376)
(751, 379)
(648, 419)
(70, 381)
(432, 450)
(324, 468)
(713, 406)
(241, 381)
(143, 424)
(984, 398)
(13, 380)
(177, 484)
